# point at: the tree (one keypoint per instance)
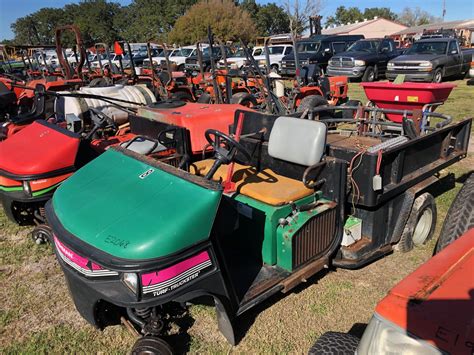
(299, 13)
(345, 15)
(416, 17)
(227, 21)
(271, 19)
(145, 20)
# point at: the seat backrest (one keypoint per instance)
(297, 140)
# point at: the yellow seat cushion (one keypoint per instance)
(266, 185)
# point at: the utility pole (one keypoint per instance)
(444, 9)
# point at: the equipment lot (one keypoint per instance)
(37, 315)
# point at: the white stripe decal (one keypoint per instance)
(86, 272)
(177, 278)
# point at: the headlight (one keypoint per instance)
(262, 62)
(27, 188)
(130, 279)
(359, 63)
(304, 62)
(383, 337)
(312, 62)
(425, 64)
(390, 64)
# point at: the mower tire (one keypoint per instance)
(182, 96)
(335, 343)
(151, 346)
(420, 225)
(42, 234)
(350, 114)
(311, 101)
(370, 75)
(460, 217)
(244, 99)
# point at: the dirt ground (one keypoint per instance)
(38, 316)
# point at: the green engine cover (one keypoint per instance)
(130, 209)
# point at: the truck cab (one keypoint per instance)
(318, 50)
(366, 59)
(431, 59)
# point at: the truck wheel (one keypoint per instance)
(181, 67)
(420, 225)
(182, 96)
(335, 343)
(460, 217)
(369, 75)
(437, 76)
(244, 99)
(311, 101)
(149, 345)
(274, 67)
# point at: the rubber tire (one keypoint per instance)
(310, 102)
(460, 216)
(151, 345)
(335, 343)
(274, 67)
(425, 200)
(42, 234)
(368, 77)
(182, 96)
(349, 114)
(243, 98)
(180, 67)
(435, 80)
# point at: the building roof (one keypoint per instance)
(353, 26)
(450, 25)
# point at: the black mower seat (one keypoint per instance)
(265, 186)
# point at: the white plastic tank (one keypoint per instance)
(279, 88)
(79, 105)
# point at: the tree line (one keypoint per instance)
(186, 21)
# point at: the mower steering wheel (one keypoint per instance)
(223, 155)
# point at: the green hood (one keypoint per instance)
(134, 210)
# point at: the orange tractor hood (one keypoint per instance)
(196, 117)
(436, 302)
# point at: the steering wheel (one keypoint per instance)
(223, 155)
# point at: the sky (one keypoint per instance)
(10, 10)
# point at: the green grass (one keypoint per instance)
(38, 316)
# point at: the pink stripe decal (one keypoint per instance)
(75, 258)
(156, 277)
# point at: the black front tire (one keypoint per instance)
(437, 75)
(369, 75)
(182, 96)
(421, 223)
(350, 114)
(311, 101)
(335, 343)
(149, 345)
(244, 98)
(42, 234)
(460, 217)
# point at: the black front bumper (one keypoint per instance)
(9, 199)
(89, 294)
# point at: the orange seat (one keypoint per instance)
(265, 186)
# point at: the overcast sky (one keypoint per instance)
(10, 10)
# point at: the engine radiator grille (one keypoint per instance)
(314, 238)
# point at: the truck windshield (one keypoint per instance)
(364, 46)
(308, 47)
(428, 48)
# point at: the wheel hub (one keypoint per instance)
(423, 227)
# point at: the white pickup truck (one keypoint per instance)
(276, 54)
(177, 56)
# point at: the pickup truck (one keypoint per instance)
(366, 59)
(192, 62)
(317, 49)
(431, 60)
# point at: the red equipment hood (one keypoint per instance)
(436, 302)
(196, 117)
(40, 148)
